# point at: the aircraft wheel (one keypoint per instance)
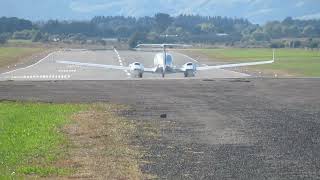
(140, 75)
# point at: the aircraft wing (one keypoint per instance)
(234, 65)
(150, 70)
(94, 65)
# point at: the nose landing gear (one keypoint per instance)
(136, 74)
(163, 72)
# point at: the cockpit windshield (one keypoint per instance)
(169, 60)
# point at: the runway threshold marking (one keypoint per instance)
(73, 66)
(67, 70)
(46, 76)
(121, 62)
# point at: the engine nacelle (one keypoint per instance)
(189, 69)
(137, 69)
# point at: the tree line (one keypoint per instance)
(188, 28)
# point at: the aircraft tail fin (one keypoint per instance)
(273, 54)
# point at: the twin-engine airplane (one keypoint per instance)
(163, 64)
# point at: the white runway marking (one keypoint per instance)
(50, 76)
(121, 63)
(67, 70)
(73, 66)
(126, 71)
(188, 57)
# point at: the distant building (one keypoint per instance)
(110, 39)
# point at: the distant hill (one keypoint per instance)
(257, 11)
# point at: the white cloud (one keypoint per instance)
(255, 10)
(85, 7)
(300, 4)
(310, 16)
(259, 12)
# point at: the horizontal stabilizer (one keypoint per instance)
(163, 45)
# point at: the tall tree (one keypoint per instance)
(136, 38)
(37, 36)
(3, 38)
(163, 21)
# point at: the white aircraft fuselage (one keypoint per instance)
(163, 62)
(165, 65)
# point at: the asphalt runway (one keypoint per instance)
(48, 69)
(215, 128)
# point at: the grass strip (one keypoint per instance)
(293, 62)
(11, 55)
(67, 140)
(30, 139)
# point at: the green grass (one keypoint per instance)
(295, 62)
(30, 141)
(19, 41)
(10, 55)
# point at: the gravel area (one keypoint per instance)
(208, 129)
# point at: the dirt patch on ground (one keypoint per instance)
(25, 60)
(101, 145)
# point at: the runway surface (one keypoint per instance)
(48, 69)
(215, 129)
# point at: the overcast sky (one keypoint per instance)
(257, 11)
